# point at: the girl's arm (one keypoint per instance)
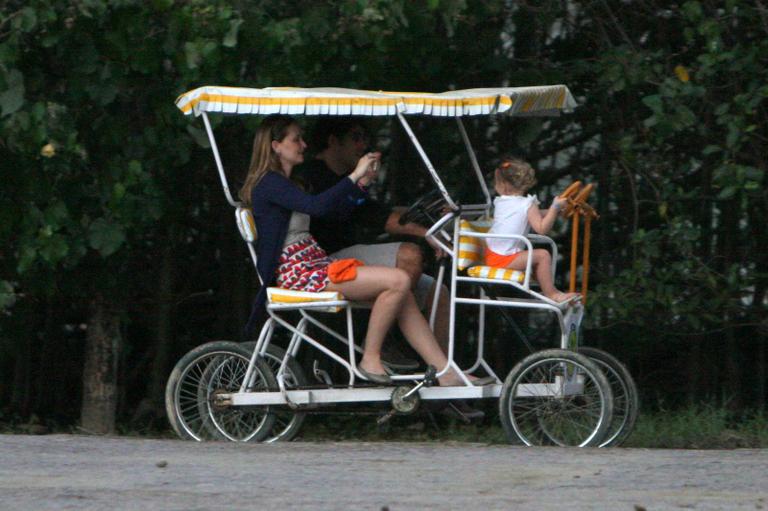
(542, 220)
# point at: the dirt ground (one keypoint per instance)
(88, 472)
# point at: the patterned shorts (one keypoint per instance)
(303, 266)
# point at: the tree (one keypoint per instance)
(114, 259)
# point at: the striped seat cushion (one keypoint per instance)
(489, 272)
(280, 296)
(471, 249)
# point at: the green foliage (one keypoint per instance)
(103, 178)
(7, 295)
(700, 427)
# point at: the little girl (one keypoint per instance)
(516, 214)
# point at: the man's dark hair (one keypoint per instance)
(332, 125)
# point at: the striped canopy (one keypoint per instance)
(540, 100)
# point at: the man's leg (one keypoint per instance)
(410, 259)
(425, 292)
(442, 316)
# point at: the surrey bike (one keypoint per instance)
(570, 395)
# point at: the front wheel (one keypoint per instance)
(625, 396)
(556, 397)
(200, 377)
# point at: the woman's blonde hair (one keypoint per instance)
(518, 173)
(263, 158)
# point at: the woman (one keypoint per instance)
(290, 256)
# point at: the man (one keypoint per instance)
(338, 143)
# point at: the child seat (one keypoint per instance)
(471, 255)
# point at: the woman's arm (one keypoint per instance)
(280, 190)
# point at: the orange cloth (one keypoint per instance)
(498, 260)
(343, 270)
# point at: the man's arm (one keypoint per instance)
(393, 227)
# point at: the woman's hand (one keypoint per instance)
(365, 171)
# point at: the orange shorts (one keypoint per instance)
(498, 260)
(343, 270)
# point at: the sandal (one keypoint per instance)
(375, 378)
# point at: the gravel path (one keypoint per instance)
(85, 472)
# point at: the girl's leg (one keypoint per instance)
(542, 269)
(387, 288)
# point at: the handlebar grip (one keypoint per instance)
(572, 189)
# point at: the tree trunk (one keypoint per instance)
(102, 347)
(48, 373)
(729, 236)
(163, 339)
(694, 370)
(22, 385)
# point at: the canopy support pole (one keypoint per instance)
(426, 161)
(473, 159)
(219, 166)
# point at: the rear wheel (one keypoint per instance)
(556, 397)
(203, 374)
(625, 396)
(287, 422)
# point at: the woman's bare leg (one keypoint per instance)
(416, 330)
(387, 288)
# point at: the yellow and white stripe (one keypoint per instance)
(542, 100)
(471, 248)
(246, 224)
(489, 272)
(280, 296)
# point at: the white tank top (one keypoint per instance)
(510, 216)
(298, 228)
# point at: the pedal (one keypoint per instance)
(405, 399)
(321, 375)
(386, 417)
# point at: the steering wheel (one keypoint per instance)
(426, 210)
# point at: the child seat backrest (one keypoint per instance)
(471, 249)
(246, 225)
(472, 255)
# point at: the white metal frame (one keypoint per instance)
(569, 318)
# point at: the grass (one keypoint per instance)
(700, 427)
(694, 427)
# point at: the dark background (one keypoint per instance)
(118, 246)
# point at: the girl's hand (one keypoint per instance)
(364, 171)
(559, 203)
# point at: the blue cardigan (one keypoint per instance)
(273, 200)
